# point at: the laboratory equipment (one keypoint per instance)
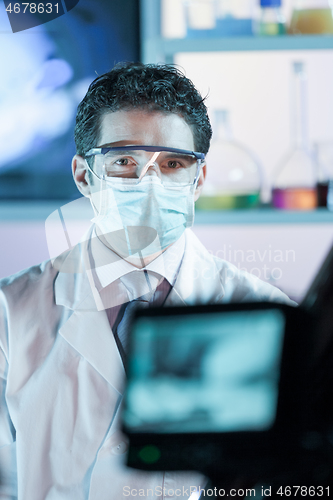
(200, 17)
(324, 154)
(214, 18)
(233, 18)
(234, 175)
(322, 177)
(294, 187)
(198, 381)
(225, 383)
(311, 17)
(270, 20)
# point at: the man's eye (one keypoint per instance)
(123, 161)
(173, 164)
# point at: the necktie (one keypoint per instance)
(121, 326)
(141, 295)
(141, 283)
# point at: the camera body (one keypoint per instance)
(222, 389)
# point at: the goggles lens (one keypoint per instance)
(178, 168)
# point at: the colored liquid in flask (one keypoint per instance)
(311, 21)
(228, 201)
(295, 198)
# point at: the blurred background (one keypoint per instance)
(266, 68)
(45, 73)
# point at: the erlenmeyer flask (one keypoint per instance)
(311, 16)
(233, 173)
(294, 187)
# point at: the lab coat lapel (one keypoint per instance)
(199, 280)
(90, 334)
(87, 330)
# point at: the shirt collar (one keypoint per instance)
(167, 264)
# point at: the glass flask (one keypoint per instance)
(270, 21)
(311, 17)
(200, 17)
(233, 17)
(324, 155)
(233, 173)
(294, 187)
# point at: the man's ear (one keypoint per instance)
(200, 182)
(80, 175)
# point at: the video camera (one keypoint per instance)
(235, 388)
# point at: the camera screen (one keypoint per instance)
(212, 372)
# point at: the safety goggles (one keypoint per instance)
(174, 167)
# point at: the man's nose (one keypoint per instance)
(151, 167)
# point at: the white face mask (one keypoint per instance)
(142, 218)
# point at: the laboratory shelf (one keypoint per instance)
(17, 211)
(162, 48)
(263, 216)
(39, 211)
(155, 48)
(245, 43)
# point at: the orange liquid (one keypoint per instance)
(295, 198)
(311, 21)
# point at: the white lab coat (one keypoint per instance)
(62, 379)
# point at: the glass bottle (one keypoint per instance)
(270, 21)
(311, 17)
(233, 17)
(233, 173)
(294, 187)
(200, 17)
(322, 177)
(324, 156)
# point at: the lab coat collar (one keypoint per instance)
(199, 279)
(166, 265)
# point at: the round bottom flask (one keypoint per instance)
(233, 173)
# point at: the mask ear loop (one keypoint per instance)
(103, 200)
(88, 169)
(193, 187)
(151, 163)
(198, 173)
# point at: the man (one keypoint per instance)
(141, 134)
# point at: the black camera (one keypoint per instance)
(237, 387)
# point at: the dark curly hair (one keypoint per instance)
(153, 87)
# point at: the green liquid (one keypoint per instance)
(272, 29)
(228, 202)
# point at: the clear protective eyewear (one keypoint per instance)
(174, 167)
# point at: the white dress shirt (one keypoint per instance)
(117, 281)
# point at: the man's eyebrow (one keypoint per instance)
(116, 144)
(121, 151)
(184, 156)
